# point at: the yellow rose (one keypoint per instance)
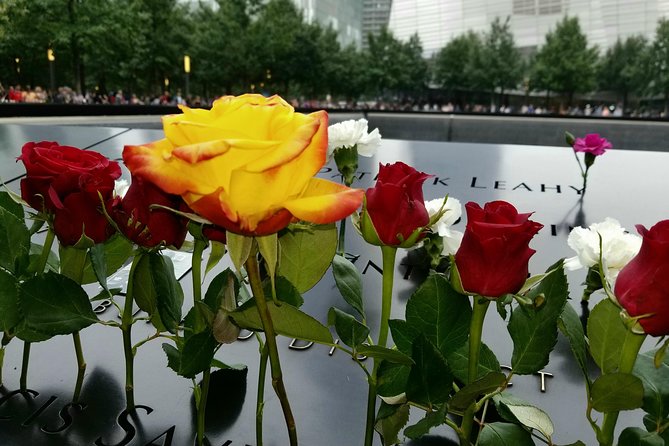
(248, 165)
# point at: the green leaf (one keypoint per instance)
(504, 434)
(390, 420)
(221, 299)
(459, 362)
(143, 290)
(169, 294)
(9, 204)
(534, 330)
(439, 313)
(615, 392)
(571, 327)
(14, 243)
(392, 378)
(51, 305)
(306, 253)
(403, 335)
(156, 290)
(655, 385)
(288, 321)
(515, 409)
(96, 256)
(215, 255)
(349, 282)
(348, 328)
(197, 354)
(9, 302)
(423, 427)
(635, 436)
(430, 380)
(173, 357)
(239, 247)
(117, 250)
(72, 262)
(606, 333)
(269, 250)
(285, 291)
(224, 283)
(52, 262)
(469, 393)
(387, 354)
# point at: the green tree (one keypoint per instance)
(565, 63)
(623, 67)
(274, 41)
(658, 67)
(27, 36)
(456, 68)
(499, 61)
(221, 47)
(395, 68)
(349, 74)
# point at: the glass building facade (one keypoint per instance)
(344, 16)
(603, 21)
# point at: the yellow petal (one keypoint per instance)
(324, 202)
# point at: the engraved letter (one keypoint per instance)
(543, 380)
(39, 411)
(168, 434)
(557, 188)
(506, 367)
(295, 344)
(129, 429)
(332, 350)
(473, 184)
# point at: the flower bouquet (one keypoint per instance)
(236, 188)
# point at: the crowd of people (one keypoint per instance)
(66, 95)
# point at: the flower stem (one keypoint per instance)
(126, 329)
(480, 306)
(44, 257)
(23, 382)
(196, 264)
(475, 332)
(260, 404)
(341, 250)
(81, 369)
(388, 254)
(629, 352)
(3, 344)
(203, 405)
(270, 341)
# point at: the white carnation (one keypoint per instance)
(353, 132)
(618, 247)
(121, 187)
(453, 211)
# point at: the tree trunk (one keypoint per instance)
(625, 94)
(74, 47)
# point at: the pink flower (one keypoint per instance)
(592, 143)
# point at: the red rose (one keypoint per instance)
(395, 204)
(492, 259)
(215, 233)
(68, 182)
(150, 227)
(54, 171)
(80, 214)
(642, 287)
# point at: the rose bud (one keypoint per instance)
(394, 207)
(493, 257)
(147, 226)
(642, 287)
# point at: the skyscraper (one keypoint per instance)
(603, 21)
(344, 16)
(375, 16)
